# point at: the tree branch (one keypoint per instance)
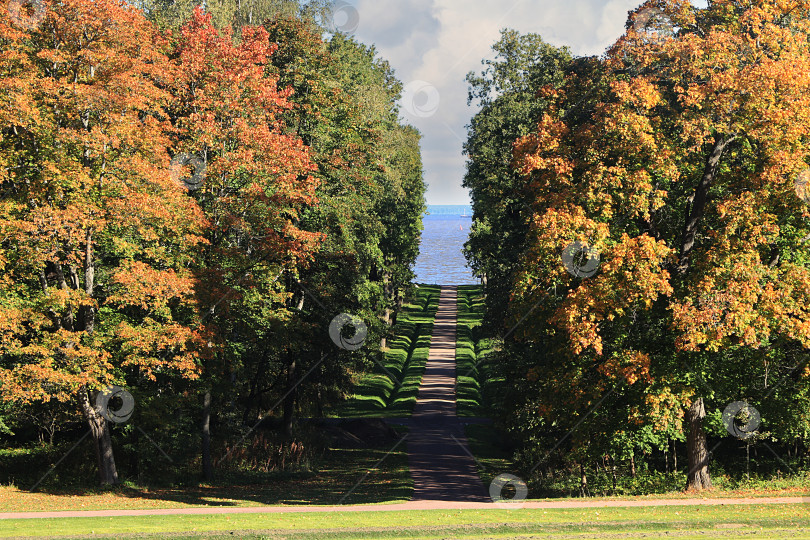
(699, 198)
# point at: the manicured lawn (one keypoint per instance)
(339, 472)
(473, 391)
(390, 390)
(754, 521)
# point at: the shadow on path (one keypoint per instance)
(439, 457)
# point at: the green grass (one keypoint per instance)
(473, 394)
(347, 476)
(379, 393)
(756, 521)
(491, 449)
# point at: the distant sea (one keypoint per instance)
(440, 258)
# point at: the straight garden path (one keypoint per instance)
(441, 464)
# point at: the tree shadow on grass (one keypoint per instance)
(390, 390)
(341, 476)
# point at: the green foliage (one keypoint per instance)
(703, 271)
(506, 92)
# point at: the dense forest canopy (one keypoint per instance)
(641, 207)
(188, 198)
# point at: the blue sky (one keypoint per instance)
(433, 44)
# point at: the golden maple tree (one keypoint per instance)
(679, 164)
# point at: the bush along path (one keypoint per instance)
(441, 464)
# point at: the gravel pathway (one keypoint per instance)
(441, 464)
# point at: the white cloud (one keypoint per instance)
(440, 41)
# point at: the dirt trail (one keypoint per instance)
(441, 464)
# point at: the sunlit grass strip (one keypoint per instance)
(760, 521)
(379, 393)
(471, 368)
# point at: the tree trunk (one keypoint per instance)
(99, 427)
(289, 398)
(583, 481)
(698, 201)
(254, 398)
(207, 468)
(100, 431)
(633, 464)
(698, 477)
(613, 472)
(67, 317)
(388, 298)
(88, 313)
(674, 456)
(400, 300)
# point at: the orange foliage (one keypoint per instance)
(665, 101)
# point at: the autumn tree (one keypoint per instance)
(506, 92)
(98, 239)
(678, 167)
(253, 182)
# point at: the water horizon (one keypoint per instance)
(440, 260)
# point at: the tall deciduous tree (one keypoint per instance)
(506, 92)
(257, 181)
(680, 171)
(97, 238)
